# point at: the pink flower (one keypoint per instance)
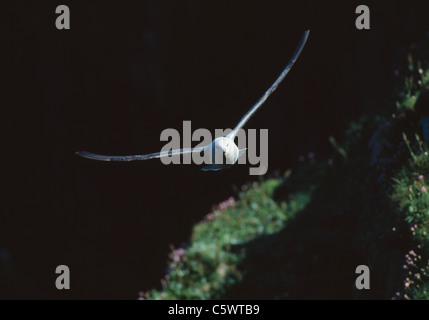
(421, 177)
(423, 189)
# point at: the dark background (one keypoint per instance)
(128, 70)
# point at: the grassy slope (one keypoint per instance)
(303, 235)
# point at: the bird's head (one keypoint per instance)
(225, 151)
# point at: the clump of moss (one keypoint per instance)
(411, 193)
(207, 268)
(410, 189)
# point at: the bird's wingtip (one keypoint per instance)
(83, 154)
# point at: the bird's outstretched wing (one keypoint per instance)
(162, 154)
(274, 86)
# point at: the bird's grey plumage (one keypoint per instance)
(156, 155)
(221, 146)
(273, 87)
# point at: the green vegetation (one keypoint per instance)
(208, 267)
(303, 234)
(410, 192)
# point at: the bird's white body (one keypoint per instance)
(222, 153)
